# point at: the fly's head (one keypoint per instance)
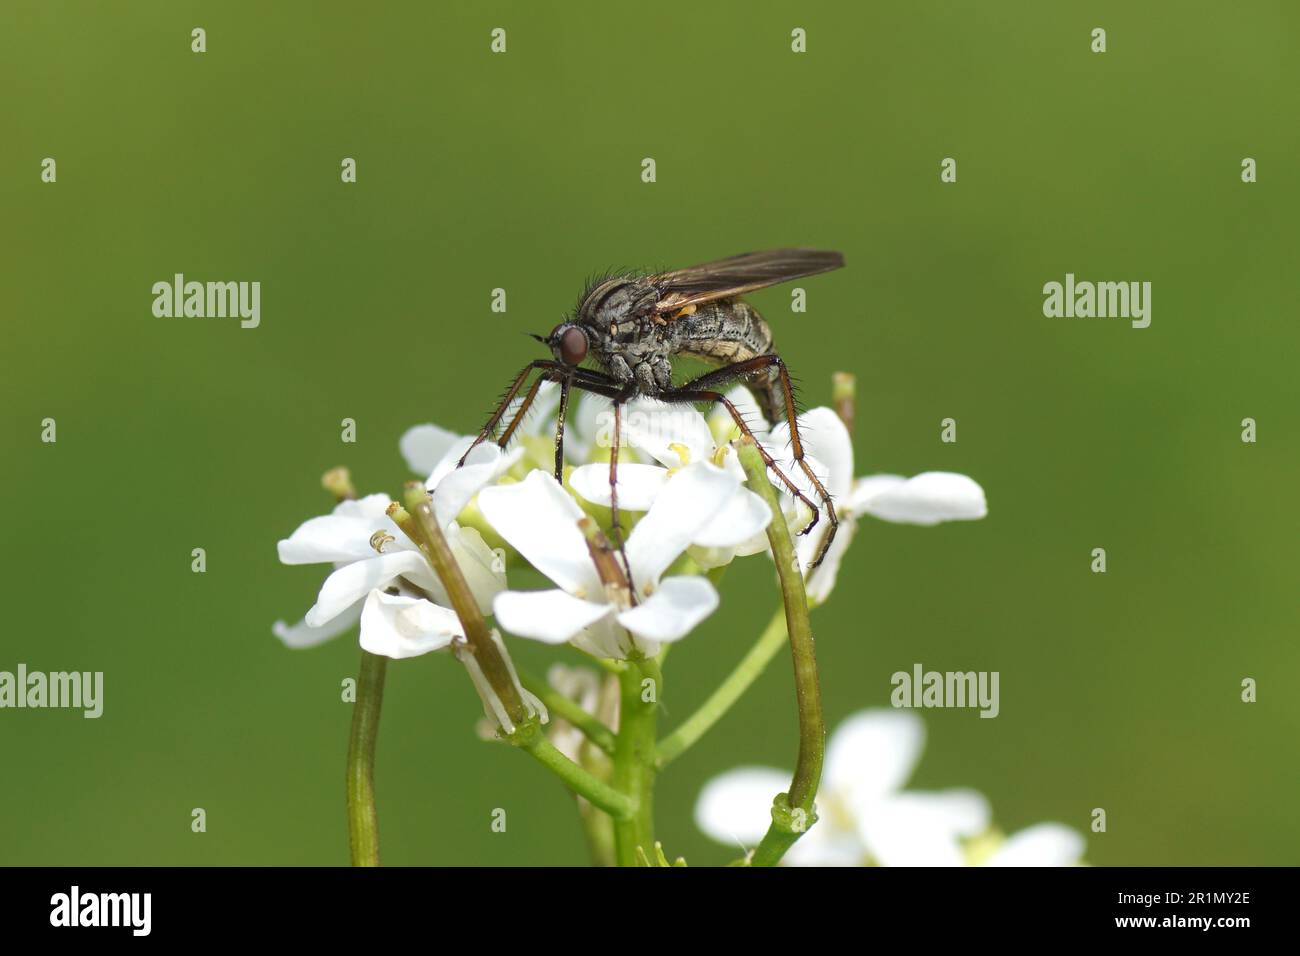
(569, 342)
(605, 321)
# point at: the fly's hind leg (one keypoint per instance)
(704, 387)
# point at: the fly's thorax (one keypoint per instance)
(624, 347)
(614, 301)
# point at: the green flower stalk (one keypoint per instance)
(363, 819)
(486, 654)
(792, 812)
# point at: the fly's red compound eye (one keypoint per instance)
(573, 346)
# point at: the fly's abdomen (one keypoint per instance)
(730, 331)
(723, 333)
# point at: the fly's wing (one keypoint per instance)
(738, 275)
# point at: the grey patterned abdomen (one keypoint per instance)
(730, 331)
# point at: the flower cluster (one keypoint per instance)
(429, 571)
(865, 816)
(685, 505)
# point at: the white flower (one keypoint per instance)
(400, 624)
(434, 451)
(677, 435)
(540, 520)
(724, 427)
(428, 448)
(591, 426)
(582, 685)
(926, 499)
(1044, 844)
(863, 812)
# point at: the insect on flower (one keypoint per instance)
(627, 329)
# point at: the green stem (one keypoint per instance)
(363, 821)
(634, 758)
(421, 525)
(728, 692)
(599, 830)
(570, 710)
(794, 812)
(598, 793)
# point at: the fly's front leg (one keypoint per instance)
(559, 430)
(552, 372)
(520, 412)
(503, 406)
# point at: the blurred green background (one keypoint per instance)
(523, 171)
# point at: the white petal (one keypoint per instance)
(637, 484)
(593, 427)
(825, 845)
(724, 427)
(821, 581)
(918, 829)
(484, 569)
(681, 511)
(756, 544)
(961, 810)
(673, 610)
(792, 470)
(552, 617)
(300, 635)
(928, 499)
(424, 446)
(606, 638)
(1044, 844)
(736, 807)
(743, 516)
(866, 488)
(341, 536)
(350, 583)
(371, 507)
(873, 752)
(825, 438)
(399, 627)
(453, 487)
(653, 426)
(591, 422)
(540, 520)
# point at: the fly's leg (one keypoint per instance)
(503, 406)
(520, 412)
(555, 371)
(701, 389)
(559, 430)
(617, 392)
(615, 525)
